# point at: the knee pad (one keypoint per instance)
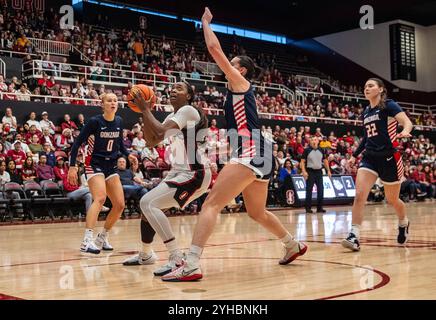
(147, 232)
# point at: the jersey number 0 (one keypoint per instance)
(110, 145)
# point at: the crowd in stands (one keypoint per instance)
(139, 52)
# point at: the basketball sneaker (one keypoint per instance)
(293, 253)
(175, 260)
(351, 242)
(185, 272)
(89, 246)
(141, 258)
(102, 242)
(403, 233)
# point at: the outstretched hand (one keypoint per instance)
(207, 15)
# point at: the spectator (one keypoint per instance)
(139, 143)
(80, 121)
(14, 173)
(43, 170)
(61, 170)
(3, 155)
(126, 140)
(131, 191)
(287, 170)
(35, 147)
(4, 175)
(8, 118)
(32, 131)
(28, 173)
(47, 138)
(49, 154)
(65, 140)
(17, 154)
(23, 94)
(46, 123)
(149, 157)
(3, 85)
(68, 123)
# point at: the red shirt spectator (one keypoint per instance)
(17, 154)
(68, 123)
(61, 170)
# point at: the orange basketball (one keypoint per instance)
(147, 93)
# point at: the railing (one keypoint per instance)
(2, 68)
(409, 106)
(207, 67)
(285, 91)
(183, 74)
(10, 53)
(169, 108)
(51, 47)
(109, 76)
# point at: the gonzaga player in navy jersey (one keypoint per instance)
(100, 171)
(249, 169)
(381, 159)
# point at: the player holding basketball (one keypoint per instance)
(380, 159)
(188, 179)
(248, 171)
(102, 180)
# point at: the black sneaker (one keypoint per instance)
(351, 242)
(321, 211)
(309, 211)
(403, 234)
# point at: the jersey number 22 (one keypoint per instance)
(371, 130)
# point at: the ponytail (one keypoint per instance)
(253, 70)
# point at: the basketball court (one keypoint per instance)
(42, 261)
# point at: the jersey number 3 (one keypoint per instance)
(110, 145)
(371, 130)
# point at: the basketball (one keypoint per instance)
(147, 93)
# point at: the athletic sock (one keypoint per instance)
(355, 229)
(193, 258)
(404, 222)
(146, 248)
(288, 241)
(172, 246)
(89, 234)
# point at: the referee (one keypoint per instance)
(311, 166)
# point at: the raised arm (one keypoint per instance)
(235, 78)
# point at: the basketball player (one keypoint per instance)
(188, 179)
(100, 172)
(248, 171)
(380, 159)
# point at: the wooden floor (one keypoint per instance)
(43, 261)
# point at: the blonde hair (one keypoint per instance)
(104, 96)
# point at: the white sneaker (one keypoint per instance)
(105, 209)
(141, 259)
(102, 242)
(89, 246)
(175, 260)
(293, 253)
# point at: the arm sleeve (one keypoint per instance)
(185, 115)
(305, 154)
(360, 148)
(393, 108)
(83, 136)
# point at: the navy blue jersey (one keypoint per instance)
(380, 127)
(241, 115)
(108, 141)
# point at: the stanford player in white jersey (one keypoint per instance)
(248, 170)
(381, 159)
(188, 179)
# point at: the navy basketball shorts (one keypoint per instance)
(101, 166)
(389, 168)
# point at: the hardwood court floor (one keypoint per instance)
(43, 261)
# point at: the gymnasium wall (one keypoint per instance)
(371, 50)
